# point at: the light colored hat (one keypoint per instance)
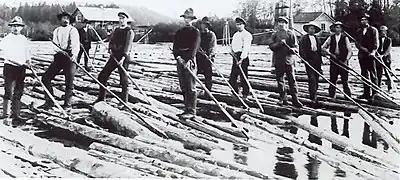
(188, 14)
(332, 27)
(17, 21)
(283, 18)
(306, 26)
(384, 28)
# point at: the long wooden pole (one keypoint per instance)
(247, 82)
(381, 130)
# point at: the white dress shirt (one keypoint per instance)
(64, 36)
(241, 42)
(14, 49)
(313, 43)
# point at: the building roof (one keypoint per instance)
(101, 14)
(305, 17)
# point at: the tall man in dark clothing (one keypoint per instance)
(119, 48)
(85, 36)
(206, 51)
(186, 44)
(284, 60)
(368, 42)
(385, 46)
(310, 50)
(66, 40)
(340, 48)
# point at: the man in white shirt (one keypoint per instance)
(14, 50)
(240, 47)
(67, 46)
(310, 50)
(340, 48)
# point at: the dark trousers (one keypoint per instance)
(235, 72)
(368, 70)
(380, 69)
(110, 66)
(86, 58)
(335, 71)
(14, 86)
(205, 68)
(187, 84)
(280, 72)
(64, 63)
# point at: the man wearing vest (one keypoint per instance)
(119, 48)
(66, 40)
(310, 50)
(339, 46)
(186, 44)
(207, 50)
(368, 42)
(385, 46)
(85, 36)
(241, 43)
(14, 68)
(284, 60)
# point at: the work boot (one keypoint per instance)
(46, 106)
(99, 99)
(283, 102)
(363, 96)
(66, 106)
(187, 116)
(296, 102)
(6, 108)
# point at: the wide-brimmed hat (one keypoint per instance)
(366, 16)
(384, 28)
(306, 26)
(332, 27)
(206, 21)
(240, 20)
(283, 18)
(123, 14)
(62, 14)
(188, 14)
(16, 21)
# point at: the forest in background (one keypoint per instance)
(41, 18)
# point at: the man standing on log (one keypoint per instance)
(340, 48)
(310, 50)
(186, 44)
(14, 50)
(85, 36)
(119, 48)
(206, 52)
(241, 43)
(385, 46)
(66, 40)
(367, 44)
(284, 61)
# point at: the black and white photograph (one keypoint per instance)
(209, 89)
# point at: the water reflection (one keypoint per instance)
(311, 137)
(285, 166)
(345, 130)
(369, 137)
(240, 158)
(313, 167)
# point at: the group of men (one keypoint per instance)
(69, 45)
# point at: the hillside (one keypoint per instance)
(144, 16)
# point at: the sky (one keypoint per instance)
(171, 8)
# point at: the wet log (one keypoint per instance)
(144, 167)
(71, 158)
(112, 118)
(155, 162)
(117, 117)
(176, 156)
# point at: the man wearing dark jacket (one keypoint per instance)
(367, 44)
(284, 44)
(119, 48)
(186, 45)
(85, 36)
(310, 50)
(385, 46)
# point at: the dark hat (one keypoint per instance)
(240, 20)
(332, 27)
(306, 26)
(283, 18)
(206, 21)
(62, 14)
(188, 14)
(16, 21)
(123, 14)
